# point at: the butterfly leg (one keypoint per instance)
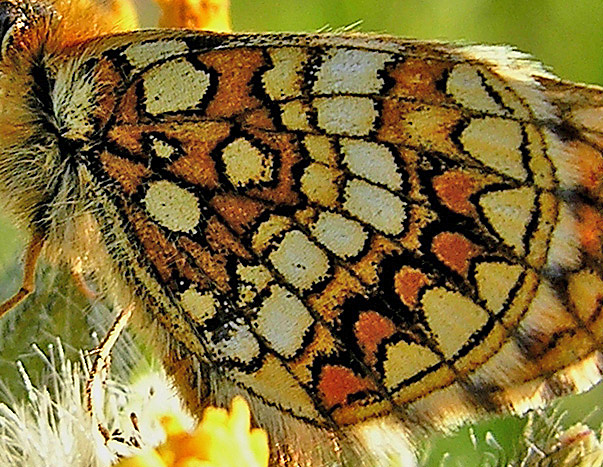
(80, 280)
(211, 15)
(32, 254)
(94, 393)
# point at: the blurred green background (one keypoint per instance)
(567, 36)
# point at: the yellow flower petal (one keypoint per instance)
(258, 443)
(222, 439)
(239, 415)
(148, 458)
(171, 425)
(194, 463)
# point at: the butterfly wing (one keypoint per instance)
(349, 229)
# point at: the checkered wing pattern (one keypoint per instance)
(351, 227)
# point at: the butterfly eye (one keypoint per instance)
(11, 15)
(17, 16)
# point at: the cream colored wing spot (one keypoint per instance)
(344, 237)
(283, 321)
(496, 143)
(346, 115)
(267, 230)
(174, 86)
(246, 164)
(294, 116)
(160, 148)
(274, 382)
(539, 163)
(252, 281)
(452, 317)
(403, 360)
(509, 212)
(375, 206)
(372, 161)
(519, 75)
(350, 71)
(284, 79)
(201, 306)
(495, 281)
(142, 54)
(240, 345)
(300, 261)
(506, 76)
(319, 184)
(320, 149)
(172, 206)
(466, 85)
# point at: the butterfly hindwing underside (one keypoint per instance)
(352, 231)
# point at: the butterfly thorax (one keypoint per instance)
(44, 138)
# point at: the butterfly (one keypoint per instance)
(364, 236)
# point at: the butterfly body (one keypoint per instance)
(357, 233)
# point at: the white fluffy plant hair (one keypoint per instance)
(52, 426)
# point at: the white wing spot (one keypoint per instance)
(283, 320)
(174, 86)
(171, 206)
(346, 115)
(342, 236)
(372, 161)
(467, 87)
(300, 261)
(375, 206)
(142, 54)
(246, 164)
(351, 71)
